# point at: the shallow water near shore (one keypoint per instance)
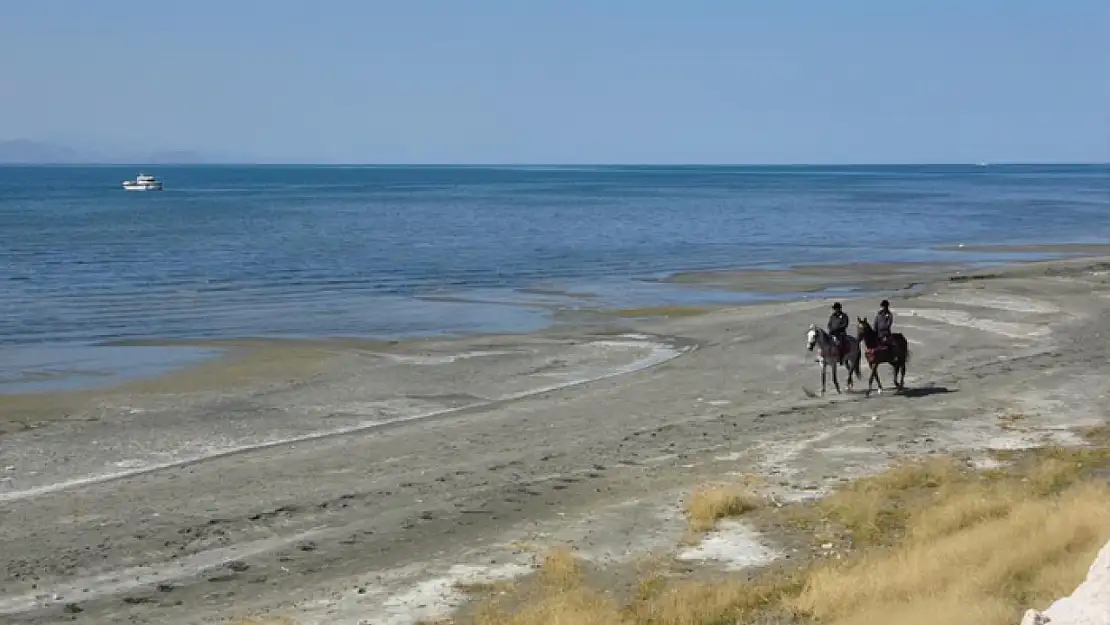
(59, 368)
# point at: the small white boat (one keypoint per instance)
(143, 182)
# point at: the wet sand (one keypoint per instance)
(350, 481)
(1078, 249)
(873, 277)
(819, 279)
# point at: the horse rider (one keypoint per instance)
(838, 325)
(884, 322)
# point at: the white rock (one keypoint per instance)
(1088, 605)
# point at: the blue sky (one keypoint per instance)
(568, 81)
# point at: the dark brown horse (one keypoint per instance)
(895, 351)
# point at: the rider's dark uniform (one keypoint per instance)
(838, 324)
(884, 322)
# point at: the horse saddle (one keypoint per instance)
(886, 341)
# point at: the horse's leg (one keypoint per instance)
(878, 379)
(824, 367)
(850, 368)
(836, 382)
(903, 358)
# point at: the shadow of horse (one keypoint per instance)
(925, 391)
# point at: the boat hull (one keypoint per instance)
(142, 187)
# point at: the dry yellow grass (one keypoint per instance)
(561, 569)
(1011, 419)
(873, 510)
(559, 596)
(1010, 551)
(932, 542)
(706, 506)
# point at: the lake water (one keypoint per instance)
(272, 251)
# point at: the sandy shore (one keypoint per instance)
(351, 481)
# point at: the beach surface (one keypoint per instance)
(350, 481)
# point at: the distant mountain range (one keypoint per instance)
(28, 152)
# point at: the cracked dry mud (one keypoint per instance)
(347, 482)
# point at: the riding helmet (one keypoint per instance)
(884, 304)
(836, 305)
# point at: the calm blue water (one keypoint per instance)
(401, 251)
